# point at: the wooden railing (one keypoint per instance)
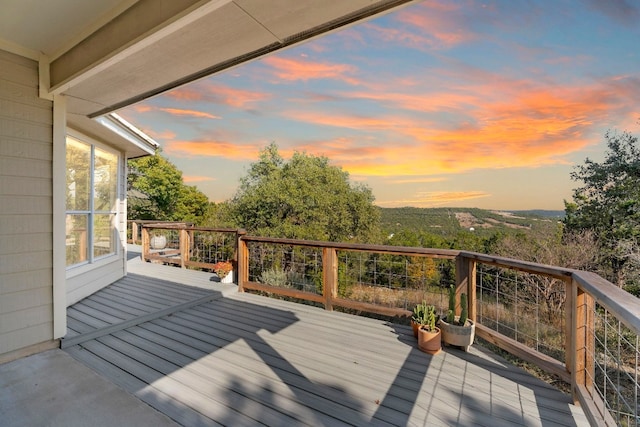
(183, 247)
(589, 304)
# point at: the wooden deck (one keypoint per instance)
(204, 354)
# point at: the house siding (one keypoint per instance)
(94, 279)
(26, 212)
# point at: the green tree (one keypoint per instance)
(304, 198)
(608, 203)
(156, 191)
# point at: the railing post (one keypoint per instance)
(184, 247)
(471, 288)
(242, 259)
(584, 363)
(134, 232)
(466, 282)
(145, 244)
(329, 276)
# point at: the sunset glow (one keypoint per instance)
(438, 104)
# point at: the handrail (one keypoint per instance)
(360, 247)
(611, 297)
(525, 266)
(587, 294)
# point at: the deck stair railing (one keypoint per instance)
(569, 323)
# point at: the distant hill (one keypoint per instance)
(448, 221)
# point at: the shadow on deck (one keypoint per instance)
(203, 354)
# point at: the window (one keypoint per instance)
(92, 185)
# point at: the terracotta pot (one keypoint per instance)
(415, 327)
(461, 336)
(429, 341)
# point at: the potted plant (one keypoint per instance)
(429, 339)
(417, 316)
(458, 330)
(224, 271)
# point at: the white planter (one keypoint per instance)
(461, 336)
(228, 278)
(158, 242)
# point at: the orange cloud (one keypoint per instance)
(227, 150)
(192, 178)
(524, 125)
(293, 69)
(418, 180)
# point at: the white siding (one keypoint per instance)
(95, 278)
(26, 248)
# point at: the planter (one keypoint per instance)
(228, 278)
(461, 336)
(415, 327)
(158, 242)
(429, 341)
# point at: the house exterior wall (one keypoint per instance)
(26, 212)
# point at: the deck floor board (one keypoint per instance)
(242, 359)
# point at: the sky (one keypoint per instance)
(487, 104)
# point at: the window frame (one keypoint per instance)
(91, 259)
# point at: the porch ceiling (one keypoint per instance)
(110, 54)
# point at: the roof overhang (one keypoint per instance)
(108, 54)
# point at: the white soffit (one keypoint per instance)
(206, 38)
(107, 54)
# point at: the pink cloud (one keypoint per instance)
(146, 108)
(218, 94)
(303, 69)
(189, 113)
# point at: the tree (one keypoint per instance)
(156, 191)
(608, 203)
(575, 250)
(304, 198)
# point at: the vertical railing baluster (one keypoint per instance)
(471, 288)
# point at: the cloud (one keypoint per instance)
(290, 69)
(418, 180)
(212, 148)
(207, 91)
(191, 113)
(188, 179)
(179, 112)
(435, 198)
(430, 25)
(523, 124)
